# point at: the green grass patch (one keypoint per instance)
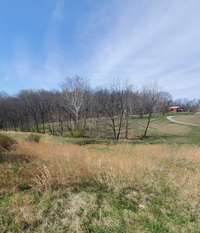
(34, 138)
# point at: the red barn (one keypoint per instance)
(175, 109)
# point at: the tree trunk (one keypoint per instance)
(114, 129)
(147, 126)
(61, 127)
(120, 125)
(127, 124)
(43, 126)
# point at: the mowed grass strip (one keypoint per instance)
(191, 119)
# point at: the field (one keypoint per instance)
(58, 186)
(192, 119)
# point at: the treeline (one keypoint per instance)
(77, 109)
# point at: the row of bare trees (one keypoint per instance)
(77, 108)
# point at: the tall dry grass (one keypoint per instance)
(116, 167)
(71, 164)
(149, 184)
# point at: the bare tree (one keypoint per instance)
(112, 106)
(83, 111)
(165, 101)
(74, 90)
(151, 100)
(129, 99)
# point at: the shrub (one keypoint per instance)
(78, 133)
(88, 141)
(84, 141)
(6, 143)
(34, 138)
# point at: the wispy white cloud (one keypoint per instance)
(151, 40)
(139, 40)
(58, 12)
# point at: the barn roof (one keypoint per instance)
(174, 107)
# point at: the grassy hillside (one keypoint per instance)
(55, 186)
(68, 188)
(193, 119)
(160, 131)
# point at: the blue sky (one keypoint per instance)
(143, 41)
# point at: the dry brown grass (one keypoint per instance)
(115, 167)
(70, 164)
(102, 186)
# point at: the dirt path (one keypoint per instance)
(173, 120)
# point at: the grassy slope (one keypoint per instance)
(55, 188)
(160, 131)
(194, 119)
